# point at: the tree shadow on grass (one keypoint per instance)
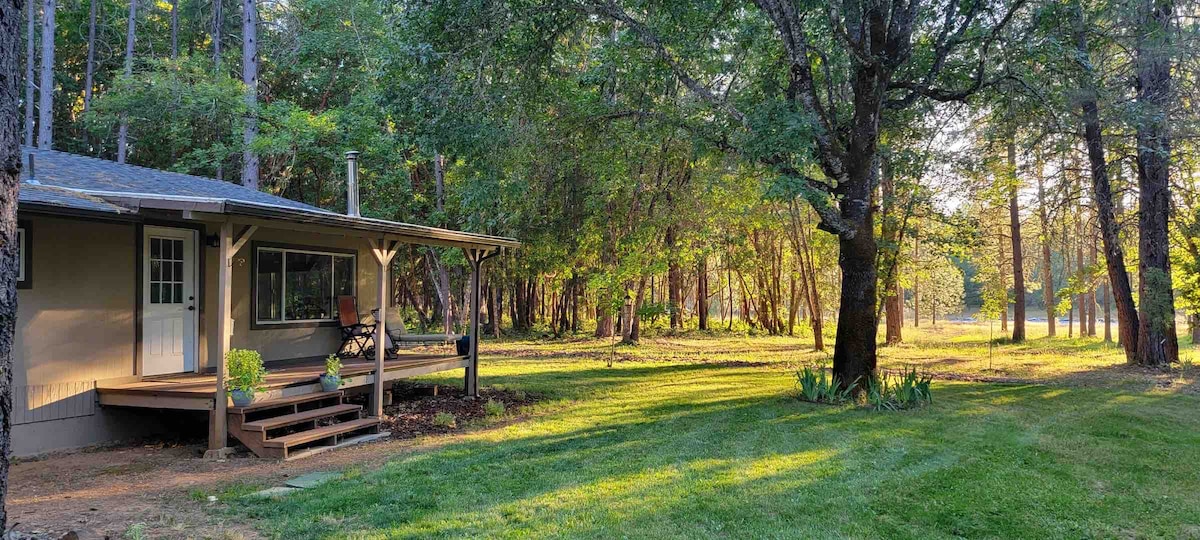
(650, 457)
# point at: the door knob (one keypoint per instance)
(191, 308)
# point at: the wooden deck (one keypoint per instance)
(194, 391)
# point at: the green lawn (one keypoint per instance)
(705, 444)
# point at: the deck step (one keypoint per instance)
(285, 401)
(302, 416)
(322, 432)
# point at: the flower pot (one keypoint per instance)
(241, 398)
(330, 383)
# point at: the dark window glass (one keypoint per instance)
(309, 286)
(270, 285)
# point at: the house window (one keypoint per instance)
(300, 285)
(24, 279)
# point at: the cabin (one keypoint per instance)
(134, 283)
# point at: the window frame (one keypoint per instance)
(256, 247)
(24, 255)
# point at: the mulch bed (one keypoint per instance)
(414, 407)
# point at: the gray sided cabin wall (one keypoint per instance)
(75, 325)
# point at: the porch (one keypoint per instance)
(286, 378)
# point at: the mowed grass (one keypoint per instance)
(701, 436)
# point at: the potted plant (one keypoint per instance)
(331, 379)
(246, 375)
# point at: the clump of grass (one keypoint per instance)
(907, 390)
(519, 395)
(494, 408)
(445, 419)
(817, 387)
(137, 531)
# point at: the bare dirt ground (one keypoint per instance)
(161, 490)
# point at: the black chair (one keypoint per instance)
(355, 334)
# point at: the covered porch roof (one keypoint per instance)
(59, 182)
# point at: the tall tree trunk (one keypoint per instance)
(1092, 284)
(90, 68)
(250, 79)
(10, 174)
(674, 308)
(1066, 252)
(702, 291)
(1003, 286)
(893, 303)
(1018, 263)
(1114, 254)
(1157, 345)
(123, 130)
(1047, 267)
(218, 24)
(916, 288)
(46, 84)
(30, 59)
(1081, 270)
(854, 351)
(174, 29)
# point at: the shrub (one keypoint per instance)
(816, 387)
(906, 390)
(246, 371)
(445, 419)
(494, 408)
(333, 365)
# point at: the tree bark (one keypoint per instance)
(1047, 266)
(174, 28)
(10, 174)
(1018, 263)
(916, 288)
(46, 84)
(1003, 286)
(854, 357)
(1157, 345)
(250, 79)
(217, 23)
(30, 58)
(90, 68)
(674, 307)
(893, 303)
(702, 292)
(1114, 254)
(123, 130)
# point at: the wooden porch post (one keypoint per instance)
(471, 377)
(218, 434)
(384, 252)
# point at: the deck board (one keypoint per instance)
(296, 373)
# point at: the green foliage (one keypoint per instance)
(445, 419)
(246, 371)
(906, 390)
(333, 365)
(817, 387)
(494, 408)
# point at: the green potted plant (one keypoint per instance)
(332, 378)
(246, 375)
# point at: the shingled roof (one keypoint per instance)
(89, 174)
(68, 182)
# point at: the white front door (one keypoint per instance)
(169, 312)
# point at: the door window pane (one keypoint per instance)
(166, 270)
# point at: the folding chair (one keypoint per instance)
(355, 334)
